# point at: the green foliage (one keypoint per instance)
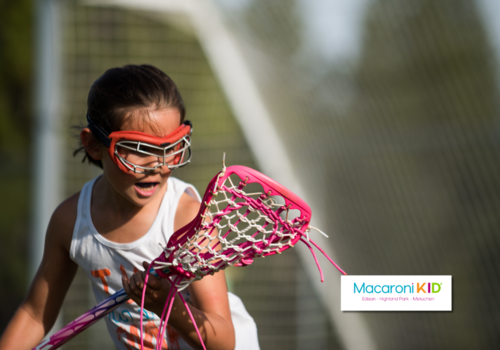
(15, 127)
(15, 72)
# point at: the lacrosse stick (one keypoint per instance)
(234, 225)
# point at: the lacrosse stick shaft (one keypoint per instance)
(83, 322)
(86, 320)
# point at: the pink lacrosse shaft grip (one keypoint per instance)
(85, 321)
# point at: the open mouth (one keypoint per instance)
(146, 188)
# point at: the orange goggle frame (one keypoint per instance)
(177, 145)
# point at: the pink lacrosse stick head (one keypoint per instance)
(235, 226)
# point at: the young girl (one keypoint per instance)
(112, 227)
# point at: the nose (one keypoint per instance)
(163, 167)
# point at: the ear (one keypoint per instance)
(91, 144)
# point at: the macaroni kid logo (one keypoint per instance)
(432, 287)
(396, 293)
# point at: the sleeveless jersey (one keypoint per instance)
(105, 262)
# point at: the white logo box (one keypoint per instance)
(395, 293)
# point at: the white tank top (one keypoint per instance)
(105, 262)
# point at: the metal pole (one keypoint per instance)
(46, 146)
(46, 175)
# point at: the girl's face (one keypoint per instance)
(140, 189)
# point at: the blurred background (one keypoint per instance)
(382, 114)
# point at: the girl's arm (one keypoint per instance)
(211, 312)
(38, 312)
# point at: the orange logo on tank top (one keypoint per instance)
(133, 339)
(102, 274)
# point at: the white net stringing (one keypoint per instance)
(235, 227)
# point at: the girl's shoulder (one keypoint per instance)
(62, 222)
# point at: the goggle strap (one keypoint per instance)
(99, 132)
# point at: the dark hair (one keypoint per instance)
(122, 90)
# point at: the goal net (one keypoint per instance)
(381, 114)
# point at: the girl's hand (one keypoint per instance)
(156, 291)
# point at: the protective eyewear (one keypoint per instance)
(143, 153)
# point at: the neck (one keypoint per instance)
(119, 219)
